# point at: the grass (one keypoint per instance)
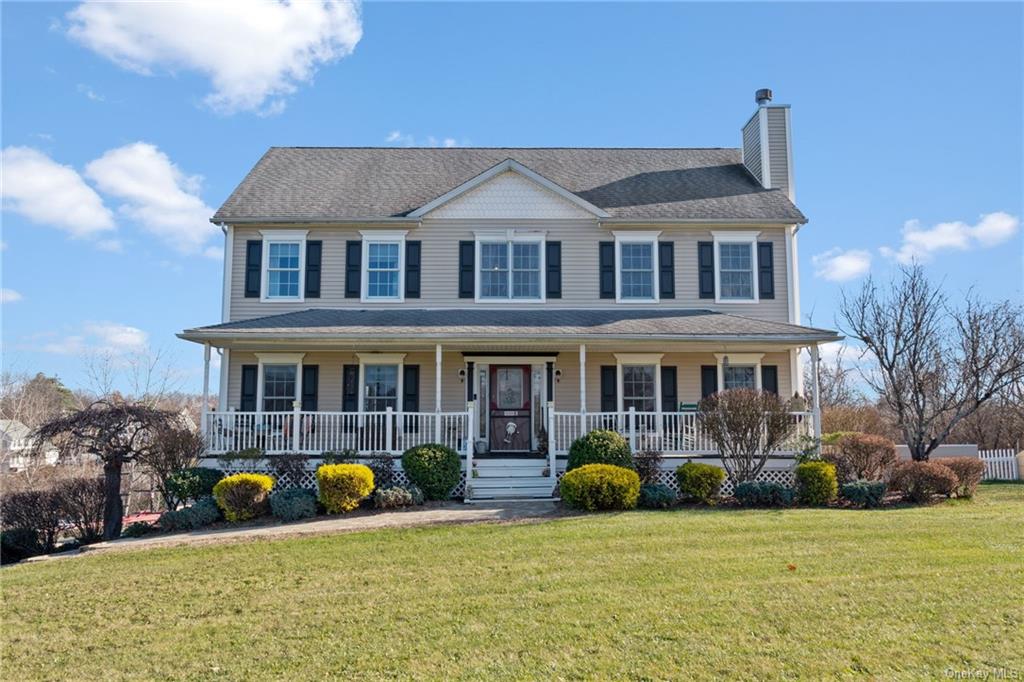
(905, 593)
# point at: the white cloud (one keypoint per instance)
(837, 265)
(10, 296)
(47, 192)
(410, 140)
(90, 93)
(157, 194)
(111, 245)
(921, 243)
(255, 53)
(103, 337)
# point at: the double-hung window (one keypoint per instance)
(735, 266)
(380, 388)
(639, 388)
(279, 387)
(739, 376)
(510, 268)
(383, 266)
(636, 256)
(283, 270)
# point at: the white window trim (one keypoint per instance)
(642, 360)
(739, 360)
(397, 359)
(623, 237)
(510, 236)
(282, 237)
(380, 237)
(264, 359)
(732, 237)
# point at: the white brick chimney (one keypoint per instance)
(767, 145)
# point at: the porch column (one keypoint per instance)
(816, 386)
(583, 389)
(206, 389)
(437, 393)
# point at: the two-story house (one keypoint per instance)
(503, 301)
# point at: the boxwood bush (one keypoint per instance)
(600, 447)
(700, 482)
(434, 468)
(864, 493)
(763, 494)
(243, 496)
(594, 487)
(293, 504)
(200, 514)
(816, 483)
(189, 484)
(656, 496)
(343, 486)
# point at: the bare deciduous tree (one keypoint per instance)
(834, 381)
(177, 448)
(747, 425)
(936, 364)
(116, 432)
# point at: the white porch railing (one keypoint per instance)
(319, 432)
(671, 433)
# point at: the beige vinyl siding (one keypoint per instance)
(752, 146)
(440, 261)
(778, 148)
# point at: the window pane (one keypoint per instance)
(736, 271)
(637, 272)
(526, 271)
(738, 376)
(282, 270)
(382, 269)
(638, 387)
(381, 387)
(383, 256)
(494, 270)
(382, 284)
(278, 387)
(284, 255)
(509, 388)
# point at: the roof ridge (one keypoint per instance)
(498, 148)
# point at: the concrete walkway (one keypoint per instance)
(447, 513)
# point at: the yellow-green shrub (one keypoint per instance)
(816, 483)
(243, 496)
(700, 481)
(343, 486)
(600, 486)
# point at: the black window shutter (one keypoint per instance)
(350, 388)
(765, 270)
(411, 388)
(669, 390)
(314, 257)
(666, 270)
(310, 387)
(412, 269)
(708, 380)
(609, 388)
(770, 378)
(706, 269)
(253, 267)
(553, 264)
(606, 256)
(248, 402)
(353, 268)
(467, 269)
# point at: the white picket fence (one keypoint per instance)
(1000, 465)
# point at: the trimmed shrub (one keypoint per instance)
(763, 494)
(700, 482)
(862, 457)
(243, 496)
(864, 493)
(82, 501)
(595, 487)
(293, 504)
(35, 511)
(383, 467)
(816, 483)
(600, 447)
(17, 544)
(648, 465)
(656, 496)
(192, 483)
(199, 515)
(137, 529)
(434, 468)
(394, 497)
(918, 481)
(343, 486)
(968, 472)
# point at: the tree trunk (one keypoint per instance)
(113, 508)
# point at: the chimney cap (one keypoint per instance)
(763, 96)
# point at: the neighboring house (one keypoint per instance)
(17, 447)
(503, 301)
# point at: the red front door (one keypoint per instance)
(509, 408)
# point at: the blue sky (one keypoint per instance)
(118, 148)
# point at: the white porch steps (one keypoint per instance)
(510, 478)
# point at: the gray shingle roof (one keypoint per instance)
(513, 324)
(343, 183)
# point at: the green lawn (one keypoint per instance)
(906, 593)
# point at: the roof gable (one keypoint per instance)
(509, 190)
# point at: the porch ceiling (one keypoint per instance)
(485, 328)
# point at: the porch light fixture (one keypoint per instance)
(462, 375)
(558, 375)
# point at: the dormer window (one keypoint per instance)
(511, 266)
